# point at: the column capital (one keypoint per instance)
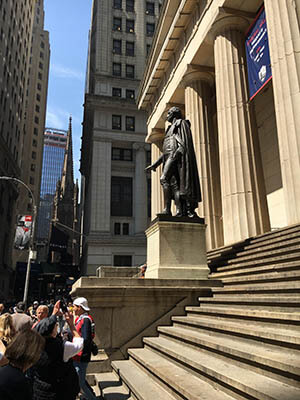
(198, 73)
(226, 24)
(139, 146)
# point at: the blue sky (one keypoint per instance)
(68, 23)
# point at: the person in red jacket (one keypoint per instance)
(84, 324)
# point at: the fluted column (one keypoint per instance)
(157, 201)
(284, 40)
(140, 214)
(244, 204)
(198, 107)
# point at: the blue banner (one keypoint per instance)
(258, 54)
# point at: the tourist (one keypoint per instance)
(41, 313)
(20, 319)
(22, 353)
(54, 374)
(85, 326)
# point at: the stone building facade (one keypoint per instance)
(248, 152)
(15, 43)
(114, 154)
(35, 116)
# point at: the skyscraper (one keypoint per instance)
(114, 153)
(35, 114)
(15, 42)
(55, 142)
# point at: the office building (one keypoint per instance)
(15, 43)
(114, 154)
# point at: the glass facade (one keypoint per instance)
(55, 142)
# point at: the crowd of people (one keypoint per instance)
(45, 350)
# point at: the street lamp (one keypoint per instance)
(31, 255)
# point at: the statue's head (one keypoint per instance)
(174, 112)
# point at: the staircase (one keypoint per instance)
(242, 343)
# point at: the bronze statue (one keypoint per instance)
(179, 179)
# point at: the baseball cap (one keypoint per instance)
(82, 302)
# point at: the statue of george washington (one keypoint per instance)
(179, 179)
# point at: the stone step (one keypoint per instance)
(139, 382)
(255, 314)
(263, 255)
(188, 385)
(290, 266)
(111, 387)
(254, 305)
(281, 363)
(274, 243)
(277, 233)
(220, 371)
(265, 287)
(285, 335)
(280, 276)
(294, 257)
(255, 301)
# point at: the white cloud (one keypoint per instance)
(61, 71)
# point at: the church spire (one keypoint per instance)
(67, 182)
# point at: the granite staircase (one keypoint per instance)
(241, 343)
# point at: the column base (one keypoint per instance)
(176, 248)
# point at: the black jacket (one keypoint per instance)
(13, 384)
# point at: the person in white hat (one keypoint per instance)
(85, 326)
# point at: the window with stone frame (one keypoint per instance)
(121, 196)
(130, 49)
(130, 94)
(130, 123)
(125, 229)
(119, 154)
(116, 122)
(117, 228)
(117, 4)
(116, 69)
(117, 24)
(150, 28)
(117, 46)
(129, 71)
(150, 8)
(122, 261)
(129, 25)
(116, 92)
(130, 5)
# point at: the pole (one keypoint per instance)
(31, 254)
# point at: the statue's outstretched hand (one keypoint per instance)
(150, 168)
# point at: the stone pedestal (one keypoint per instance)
(176, 248)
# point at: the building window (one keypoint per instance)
(129, 71)
(118, 4)
(130, 95)
(31, 180)
(32, 167)
(37, 108)
(39, 86)
(117, 24)
(34, 143)
(130, 5)
(36, 120)
(129, 25)
(122, 261)
(40, 75)
(125, 228)
(116, 92)
(117, 69)
(42, 45)
(33, 155)
(121, 154)
(150, 29)
(38, 97)
(149, 8)
(41, 65)
(117, 228)
(130, 49)
(35, 131)
(117, 46)
(148, 49)
(117, 122)
(121, 196)
(130, 123)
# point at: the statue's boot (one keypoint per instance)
(167, 199)
(179, 212)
